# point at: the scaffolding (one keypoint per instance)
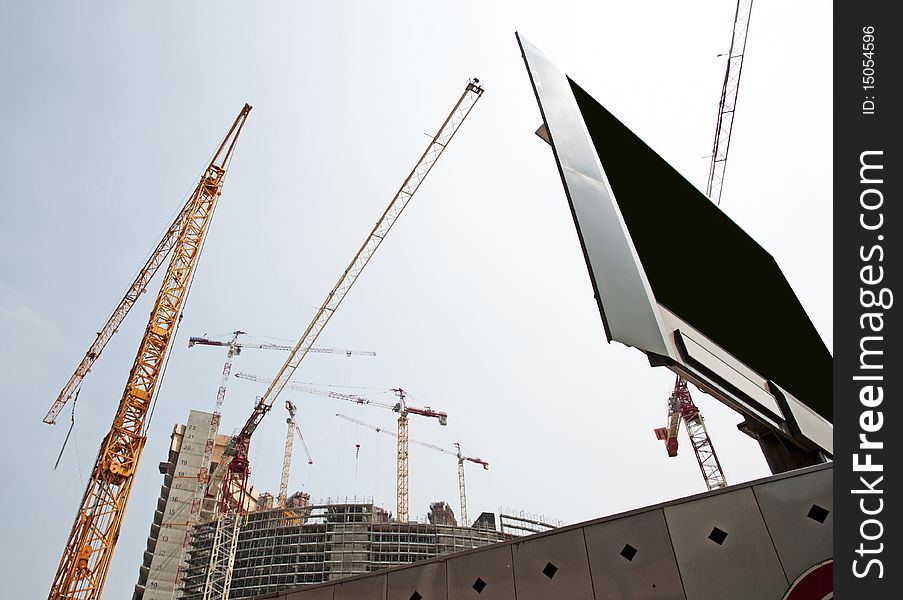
(303, 543)
(518, 522)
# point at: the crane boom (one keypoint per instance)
(357, 399)
(138, 287)
(728, 103)
(437, 146)
(391, 433)
(315, 349)
(86, 558)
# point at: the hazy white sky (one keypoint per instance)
(478, 303)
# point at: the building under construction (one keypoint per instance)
(169, 537)
(283, 547)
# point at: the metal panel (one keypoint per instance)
(744, 566)
(426, 582)
(622, 291)
(552, 566)
(319, 593)
(631, 558)
(735, 374)
(801, 540)
(367, 588)
(492, 567)
(805, 423)
(633, 270)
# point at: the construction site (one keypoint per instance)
(286, 541)
(349, 490)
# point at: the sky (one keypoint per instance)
(478, 303)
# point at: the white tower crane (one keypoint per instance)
(235, 464)
(403, 411)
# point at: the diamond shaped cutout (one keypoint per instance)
(718, 536)
(818, 513)
(416, 596)
(549, 570)
(479, 585)
(628, 552)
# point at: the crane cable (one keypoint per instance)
(74, 441)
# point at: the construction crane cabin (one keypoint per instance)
(89, 549)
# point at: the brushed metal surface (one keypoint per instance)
(804, 422)
(368, 588)
(744, 567)
(800, 541)
(320, 593)
(623, 294)
(426, 582)
(564, 554)
(492, 566)
(631, 559)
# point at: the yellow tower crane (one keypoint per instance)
(461, 458)
(89, 549)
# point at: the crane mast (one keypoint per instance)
(292, 423)
(319, 392)
(200, 490)
(461, 491)
(402, 455)
(401, 480)
(86, 558)
(682, 407)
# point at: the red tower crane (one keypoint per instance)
(682, 407)
(403, 411)
(680, 404)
